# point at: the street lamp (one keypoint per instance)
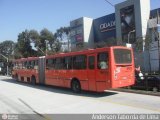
(7, 61)
(129, 34)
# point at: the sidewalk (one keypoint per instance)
(137, 91)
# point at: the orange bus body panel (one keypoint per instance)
(91, 78)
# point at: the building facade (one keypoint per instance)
(132, 22)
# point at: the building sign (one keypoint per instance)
(127, 23)
(104, 28)
(108, 26)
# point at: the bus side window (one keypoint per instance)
(20, 65)
(102, 60)
(68, 63)
(59, 62)
(36, 64)
(91, 62)
(23, 67)
(32, 64)
(29, 65)
(50, 63)
(79, 62)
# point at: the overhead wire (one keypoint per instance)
(109, 3)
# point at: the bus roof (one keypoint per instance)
(86, 51)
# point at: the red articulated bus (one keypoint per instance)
(92, 70)
(25, 69)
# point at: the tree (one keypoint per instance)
(36, 41)
(45, 40)
(16, 53)
(63, 34)
(35, 37)
(7, 49)
(48, 38)
(24, 46)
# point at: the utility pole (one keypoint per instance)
(7, 61)
(158, 38)
(46, 46)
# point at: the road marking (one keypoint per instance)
(41, 115)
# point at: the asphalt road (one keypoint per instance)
(22, 98)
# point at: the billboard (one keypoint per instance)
(127, 17)
(77, 35)
(105, 29)
(77, 31)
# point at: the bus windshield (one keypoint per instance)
(122, 56)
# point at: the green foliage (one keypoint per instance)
(45, 40)
(6, 48)
(42, 41)
(139, 43)
(35, 37)
(63, 34)
(46, 37)
(24, 45)
(147, 42)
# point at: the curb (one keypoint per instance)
(137, 91)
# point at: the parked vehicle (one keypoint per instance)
(151, 83)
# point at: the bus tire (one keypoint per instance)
(76, 86)
(33, 80)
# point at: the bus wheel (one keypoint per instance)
(33, 80)
(76, 87)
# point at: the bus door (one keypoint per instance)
(102, 72)
(92, 72)
(41, 70)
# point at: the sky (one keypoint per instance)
(18, 15)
